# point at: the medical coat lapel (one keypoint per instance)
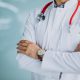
(54, 23)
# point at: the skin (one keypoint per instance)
(59, 2)
(30, 49)
(77, 48)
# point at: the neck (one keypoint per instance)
(59, 2)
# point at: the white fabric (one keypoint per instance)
(59, 39)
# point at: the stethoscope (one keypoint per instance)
(41, 16)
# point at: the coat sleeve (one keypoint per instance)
(68, 62)
(26, 62)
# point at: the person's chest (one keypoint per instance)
(54, 32)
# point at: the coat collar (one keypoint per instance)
(68, 4)
(55, 5)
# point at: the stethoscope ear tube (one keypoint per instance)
(74, 13)
(41, 16)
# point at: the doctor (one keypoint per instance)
(51, 42)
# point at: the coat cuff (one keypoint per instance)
(50, 62)
(47, 61)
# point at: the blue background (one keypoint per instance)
(12, 21)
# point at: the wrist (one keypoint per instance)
(40, 52)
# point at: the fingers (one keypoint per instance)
(23, 44)
(27, 48)
(22, 48)
(77, 48)
(25, 41)
(78, 45)
(21, 51)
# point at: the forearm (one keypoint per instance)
(61, 61)
(32, 65)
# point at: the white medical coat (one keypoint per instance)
(55, 35)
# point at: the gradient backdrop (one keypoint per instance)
(12, 20)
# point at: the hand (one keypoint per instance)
(28, 48)
(77, 48)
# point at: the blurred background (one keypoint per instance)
(12, 20)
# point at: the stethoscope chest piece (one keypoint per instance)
(40, 17)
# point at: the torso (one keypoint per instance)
(53, 33)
